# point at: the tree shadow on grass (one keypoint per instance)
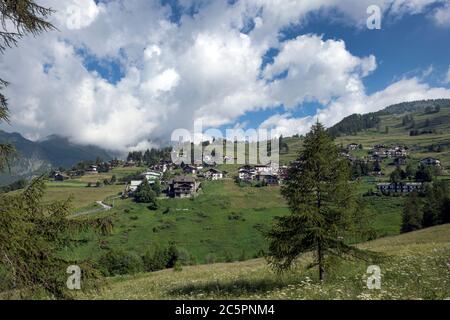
(236, 287)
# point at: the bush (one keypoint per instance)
(173, 254)
(145, 194)
(116, 262)
(177, 267)
(155, 261)
(184, 257)
(228, 256)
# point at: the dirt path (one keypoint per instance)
(104, 207)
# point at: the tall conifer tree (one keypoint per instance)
(323, 206)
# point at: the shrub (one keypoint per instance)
(177, 267)
(183, 257)
(173, 254)
(116, 262)
(155, 261)
(228, 256)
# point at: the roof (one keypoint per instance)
(182, 179)
(151, 173)
(215, 170)
(135, 183)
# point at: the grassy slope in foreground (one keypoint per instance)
(416, 268)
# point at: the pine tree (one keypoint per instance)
(322, 203)
(32, 235)
(412, 213)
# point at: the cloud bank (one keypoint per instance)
(161, 69)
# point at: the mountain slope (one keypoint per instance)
(419, 125)
(35, 157)
(356, 122)
(415, 268)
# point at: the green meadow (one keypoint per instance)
(414, 266)
(225, 221)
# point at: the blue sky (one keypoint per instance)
(410, 46)
(160, 65)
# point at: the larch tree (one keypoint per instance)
(32, 233)
(324, 208)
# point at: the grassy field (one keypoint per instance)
(225, 220)
(83, 197)
(415, 267)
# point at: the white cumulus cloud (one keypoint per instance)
(199, 68)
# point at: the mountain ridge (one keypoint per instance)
(36, 157)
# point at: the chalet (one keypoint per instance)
(213, 174)
(352, 146)
(182, 187)
(430, 162)
(268, 178)
(399, 187)
(92, 169)
(58, 176)
(271, 168)
(396, 151)
(247, 173)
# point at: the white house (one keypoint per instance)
(92, 169)
(134, 184)
(214, 174)
(151, 175)
(247, 173)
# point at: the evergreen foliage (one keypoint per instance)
(323, 207)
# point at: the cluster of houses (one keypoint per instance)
(407, 187)
(181, 186)
(270, 174)
(398, 153)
